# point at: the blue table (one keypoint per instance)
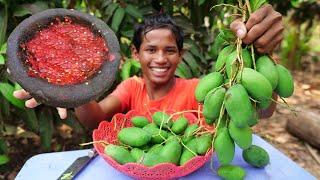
(50, 166)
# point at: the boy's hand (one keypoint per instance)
(263, 28)
(31, 102)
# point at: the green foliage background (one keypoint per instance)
(203, 41)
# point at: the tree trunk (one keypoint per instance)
(306, 126)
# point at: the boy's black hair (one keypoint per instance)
(157, 21)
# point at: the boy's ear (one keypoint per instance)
(134, 52)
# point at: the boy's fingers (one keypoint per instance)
(62, 112)
(238, 28)
(31, 103)
(258, 16)
(21, 94)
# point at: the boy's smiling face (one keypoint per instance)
(158, 56)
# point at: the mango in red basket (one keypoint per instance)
(203, 143)
(162, 119)
(188, 133)
(133, 136)
(136, 154)
(179, 125)
(171, 152)
(187, 154)
(139, 121)
(155, 148)
(118, 153)
(231, 172)
(172, 137)
(153, 125)
(151, 159)
(158, 136)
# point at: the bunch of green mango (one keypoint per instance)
(160, 141)
(232, 96)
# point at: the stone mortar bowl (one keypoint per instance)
(62, 95)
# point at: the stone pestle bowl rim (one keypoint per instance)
(66, 96)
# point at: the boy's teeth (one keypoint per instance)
(159, 69)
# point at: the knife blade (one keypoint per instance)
(79, 164)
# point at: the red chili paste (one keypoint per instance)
(65, 53)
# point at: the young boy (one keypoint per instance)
(158, 45)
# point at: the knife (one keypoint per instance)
(78, 165)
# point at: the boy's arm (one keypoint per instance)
(91, 114)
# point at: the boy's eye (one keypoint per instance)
(171, 51)
(151, 50)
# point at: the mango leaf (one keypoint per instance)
(17, 86)
(136, 66)
(21, 11)
(180, 72)
(133, 11)
(183, 71)
(31, 120)
(7, 91)
(105, 3)
(109, 11)
(191, 61)
(3, 48)
(3, 146)
(227, 35)
(148, 9)
(125, 70)
(129, 68)
(200, 2)
(216, 46)
(4, 106)
(45, 128)
(4, 159)
(3, 22)
(168, 7)
(256, 4)
(117, 19)
(36, 7)
(185, 23)
(72, 121)
(128, 33)
(2, 60)
(193, 48)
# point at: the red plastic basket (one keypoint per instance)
(107, 131)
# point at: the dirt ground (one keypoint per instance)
(307, 94)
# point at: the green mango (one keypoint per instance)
(256, 156)
(241, 136)
(179, 125)
(268, 69)
(238, 105)
(207, 83)
(119, 154)
(212, 104)
(224, 147)
(257, 86)
(139, 121)
(285, 86)
(134, 136)
(231, 172)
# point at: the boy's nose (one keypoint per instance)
(160, 58)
